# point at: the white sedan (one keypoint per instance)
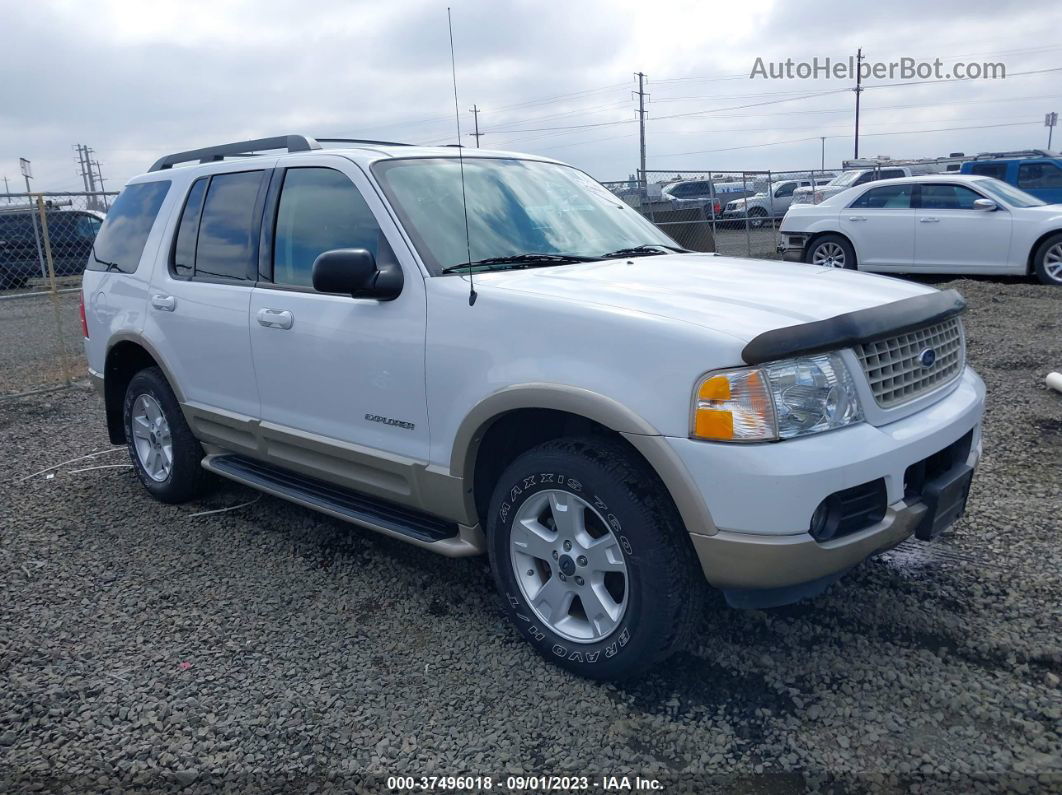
(931, 224)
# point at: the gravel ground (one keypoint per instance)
(268, 646)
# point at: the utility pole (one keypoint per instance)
(823, 138)
(27, 172)
(858, 91)
(474, 110)
(99, 174)
(641, 125)
(1050, 120)
(7, 190)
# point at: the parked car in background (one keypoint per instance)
(772, 203)
(712, 195)
(931, 224)
(611, 419)
(70, 235)
(1039, 176)
(849, 179)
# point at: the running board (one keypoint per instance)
(407, 524)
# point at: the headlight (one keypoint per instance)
(779, 400)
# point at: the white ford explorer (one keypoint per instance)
(493, 354)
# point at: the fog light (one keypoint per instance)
(825, 520)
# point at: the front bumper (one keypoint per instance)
(791, 245)
(762, 496)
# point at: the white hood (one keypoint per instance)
(739, 297)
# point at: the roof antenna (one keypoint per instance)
(472, 295)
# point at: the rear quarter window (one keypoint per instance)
(120, 242)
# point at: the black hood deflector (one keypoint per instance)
(852, 328)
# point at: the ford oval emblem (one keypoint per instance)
(927, 357)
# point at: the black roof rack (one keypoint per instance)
(290, 143)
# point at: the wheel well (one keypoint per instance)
(1029, 264)
(124, 360)
(516, 432)
(817, 235)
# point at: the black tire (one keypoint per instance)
(186, 479)
(1040, 261)
(664, 584)
(757, 217)
(836, 240)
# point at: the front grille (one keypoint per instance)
(895, 369)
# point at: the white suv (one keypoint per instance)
(483, 352)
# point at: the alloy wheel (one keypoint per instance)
(829, 255)
(569, 566)
(1053, 262)
(151, 438)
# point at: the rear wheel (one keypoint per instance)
(831, 251)
(165, 454)
(1047, 261)
(591, 558)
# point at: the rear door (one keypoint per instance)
(880, 224)
(198, 306)
(953, 237)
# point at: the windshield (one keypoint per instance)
(847, 178)
(515, 207)
(1008, 194)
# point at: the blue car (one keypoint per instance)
(1040, 175)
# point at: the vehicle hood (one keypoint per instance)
(738, 297)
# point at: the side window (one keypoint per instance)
(887, 197)
(948, 197)
(228, 246)
(120, 242)
(188, 229)
(995, 170)
(319, 210)
(891, 173)
(1039, 175)
(869, 176)
(785, 190)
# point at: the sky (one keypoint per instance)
(136, 80)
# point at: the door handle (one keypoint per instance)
(166, 303)
(857, 218)
(275, 318)
(928, 220)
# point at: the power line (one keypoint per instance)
(865, 135)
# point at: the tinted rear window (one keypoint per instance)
(228, 242)
(188, 229)
(121, 240)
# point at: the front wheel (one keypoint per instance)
(757, 217)
(831, 251)
(1047, 261)
(591, 558)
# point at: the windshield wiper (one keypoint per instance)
(530, 260)
(647, 250)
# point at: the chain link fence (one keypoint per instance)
(735, 213)
(45, 241)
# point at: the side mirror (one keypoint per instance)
(353, 271)
(985, 204)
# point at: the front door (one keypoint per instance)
(341, 379)
(951, 236)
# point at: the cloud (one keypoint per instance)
(136, 80)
